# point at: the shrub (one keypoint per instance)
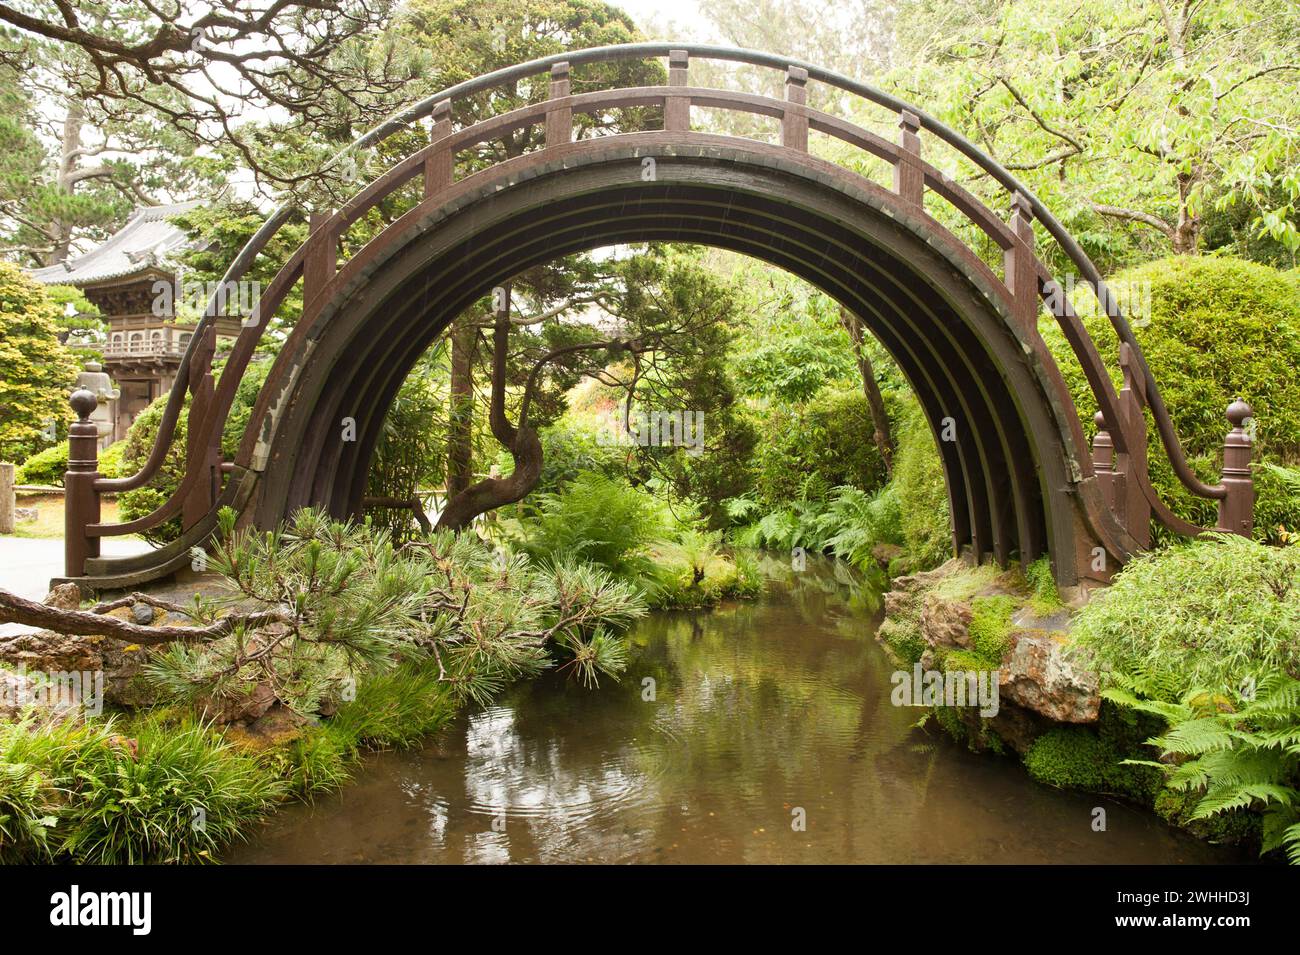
(44, 467)
(49, 466)
(1234, 754)
(1209, 613)
(36, 370)
(827, 440)
(599, 519)
(1219, 328)
(922, 492)
(694, 572)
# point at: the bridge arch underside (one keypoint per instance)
(1011, 465)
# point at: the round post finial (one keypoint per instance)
(83, 403)
(1238, 412)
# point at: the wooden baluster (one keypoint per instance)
(1131, 505)
(207, 453)
(794, 122)
(1020, 265)
(909, 177)
(80, 499)
(1103, 460)
(1237, 508)
(677, 109)
(437, 168)
(559, 119)
(321, 261)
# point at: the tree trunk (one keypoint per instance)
(491, 493)
(1187, 232)
(523, 444)
(72, 123)
(883, 436)
(460, 421)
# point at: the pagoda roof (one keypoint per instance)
(138, 248)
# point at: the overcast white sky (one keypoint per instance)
(678, 19)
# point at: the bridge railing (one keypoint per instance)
(1119, 452)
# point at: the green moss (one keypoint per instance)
(1237, 827)
(990, 628)
(1045, 599)
(1075, 757)
(903, 640)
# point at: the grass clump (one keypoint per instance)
(1210, 613)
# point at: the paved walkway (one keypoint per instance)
(27, 564)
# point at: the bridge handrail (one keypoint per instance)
(403, 119)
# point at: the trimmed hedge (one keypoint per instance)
(1218, 329)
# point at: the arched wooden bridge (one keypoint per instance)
(1022, 480)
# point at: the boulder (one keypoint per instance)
(945, 623)
(883, 554)
(24, 695)
(63, 597)
(142, 613)
(1040, 674)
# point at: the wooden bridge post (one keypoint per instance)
(438, 167)
(1237, 507)
(1131, 505)
(80, 499)
(1103, 459)
(559, 119)
(321, 259)
(677, 109)
(909, 177)
(794, 122)
(205, 492)
(1020, 265)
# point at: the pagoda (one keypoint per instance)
(124, 278)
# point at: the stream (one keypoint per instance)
(765, 714)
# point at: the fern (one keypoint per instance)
(1242, 755)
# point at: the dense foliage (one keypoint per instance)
(36, 371)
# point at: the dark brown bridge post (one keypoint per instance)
(1103, 460)
(1020, 265)
(205, 492)
(1237, 506)
(794, 122)
(677, 109)
(80, 499)
(438, 167)
(321, 259)
(1131, 505)
(909, 176)
(559, 119)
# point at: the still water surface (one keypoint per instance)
(760, 709)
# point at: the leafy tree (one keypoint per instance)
(36, 371)
(1141, 114)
